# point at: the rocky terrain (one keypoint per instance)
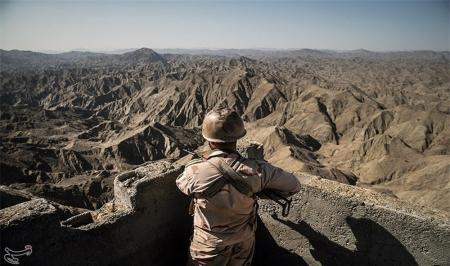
(71, 122)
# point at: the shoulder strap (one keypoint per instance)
(237, 180)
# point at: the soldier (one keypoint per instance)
(223, 188)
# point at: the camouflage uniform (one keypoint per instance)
(225, 223)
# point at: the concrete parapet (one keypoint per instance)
(335, 224)
(147, 223)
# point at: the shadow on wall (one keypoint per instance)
(374, 245)
(268, 252)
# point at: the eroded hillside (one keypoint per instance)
(71, 122)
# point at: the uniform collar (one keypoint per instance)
(218, 152)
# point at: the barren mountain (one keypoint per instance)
(70, 122)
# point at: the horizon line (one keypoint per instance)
(263, 49)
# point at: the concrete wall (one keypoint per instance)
(336, 224)
(147, 224)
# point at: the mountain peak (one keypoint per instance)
(142, 51)
(142, 55)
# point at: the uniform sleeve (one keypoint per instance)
(277, 179)
(185, 181)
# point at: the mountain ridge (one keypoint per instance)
(369, 121)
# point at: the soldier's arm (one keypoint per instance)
(277, 179)
(185, 181)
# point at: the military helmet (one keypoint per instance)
(223, 125)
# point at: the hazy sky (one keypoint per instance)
(109, 25)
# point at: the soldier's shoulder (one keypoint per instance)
(194, 161)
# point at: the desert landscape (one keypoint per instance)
(101, 110)
(71, 122)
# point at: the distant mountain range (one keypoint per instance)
(29, 59)
(70, 122)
